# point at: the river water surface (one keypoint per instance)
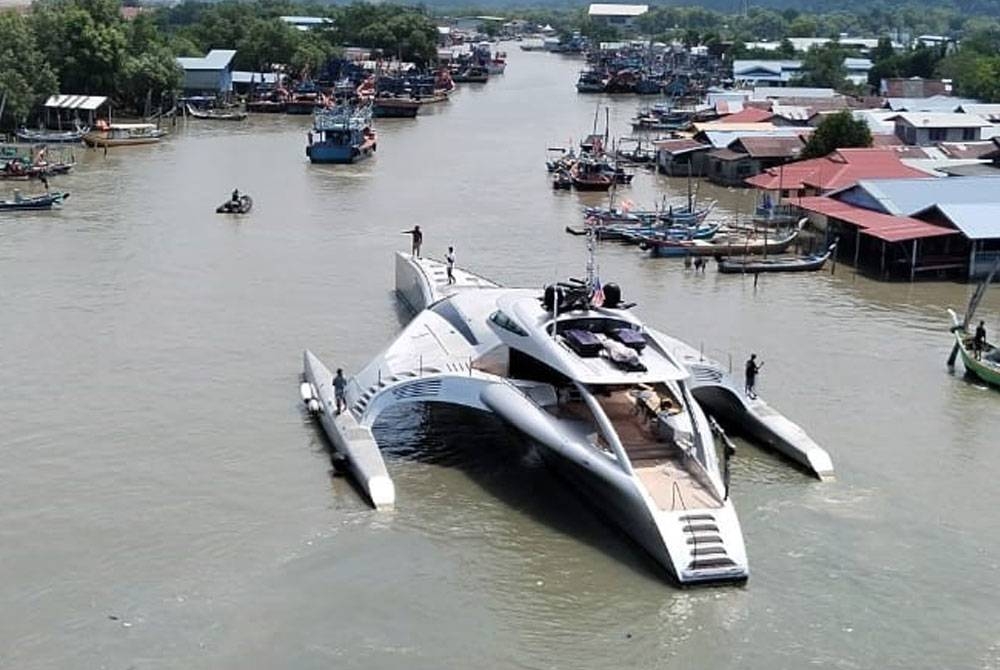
(165, 503)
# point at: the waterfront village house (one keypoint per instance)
(835, 171)
(749, 155)
(784, 72)
(245, 82)
(681, 157)
(914, 227)
(616, 15)
(914, 87)
(211, 75)
(923, 129)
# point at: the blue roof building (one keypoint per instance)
(208, 75)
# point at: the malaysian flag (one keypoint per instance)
(597, 295)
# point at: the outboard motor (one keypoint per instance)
(612, 295)
(549, 297)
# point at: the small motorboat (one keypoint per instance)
(216, 114)
(52, 136)
(33, 202)
(239, 205)
(808, 263)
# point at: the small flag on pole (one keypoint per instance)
(597, 297)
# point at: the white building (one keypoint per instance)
(617, 15)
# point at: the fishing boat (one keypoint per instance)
(589, 175)
(810, 263)
(472, 74)
(242, 204)
(497, 64)
(269, 102)
(729, 246)
(123, 134)
(562, 180)
(591, 81)
(394, 107)
(216, 114)
(45, 136)
(18, 169)
(343, 134)
(305, 99)
(986, 366)
(33, 202)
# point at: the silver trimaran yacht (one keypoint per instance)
(607, 399)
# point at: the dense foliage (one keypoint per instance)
(837, 131)
(87, 47)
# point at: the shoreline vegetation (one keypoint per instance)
(94, 47)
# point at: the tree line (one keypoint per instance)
(88, 47)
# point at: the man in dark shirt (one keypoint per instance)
(751, 376)
(418, 239)
(979, 340)
(339, 389)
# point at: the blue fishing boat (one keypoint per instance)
(343, 134)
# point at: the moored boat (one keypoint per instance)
(343, 134)
(216, 114)
(123, 134)
(52, 136)
(810, 263)
(473, 74)
(394, 107)
(33, 202)
(730, 246)
(984, 363)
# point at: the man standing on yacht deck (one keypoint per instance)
(339, 389)
(418, 239)
(450, 260)
(751, 376)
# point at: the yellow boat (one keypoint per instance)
(123, 134)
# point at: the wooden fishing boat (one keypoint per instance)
(123, 134)
(473, 74)
(46, 136)
(562, 180)
(393, 107)
(18, 170)
(216, 114)
(809, 263)
(730, 246)
(33, 202)
(987, 366)
(241, 205)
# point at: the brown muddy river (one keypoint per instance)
(165, 502)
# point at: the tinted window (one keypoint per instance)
(506, 323)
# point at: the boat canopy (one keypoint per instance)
(85, 102)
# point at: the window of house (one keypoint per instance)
(968, 134)
(937, 134)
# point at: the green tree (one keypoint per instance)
(824, 66)
(25, 76)
(803, 26)
(83, 40)
(837, 131)
(148, 76)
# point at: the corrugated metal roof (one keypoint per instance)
(968, 149)
(772, 92)
(216, 59)
(841, 168)
(600, 9)
(935, 103)
(747, 115)
(976, 221)
(877, 225)
(85, 102)
(681, 146)
(909, 196)
(939, 120)
(241, 77)
(727, 154)
(772, 147)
